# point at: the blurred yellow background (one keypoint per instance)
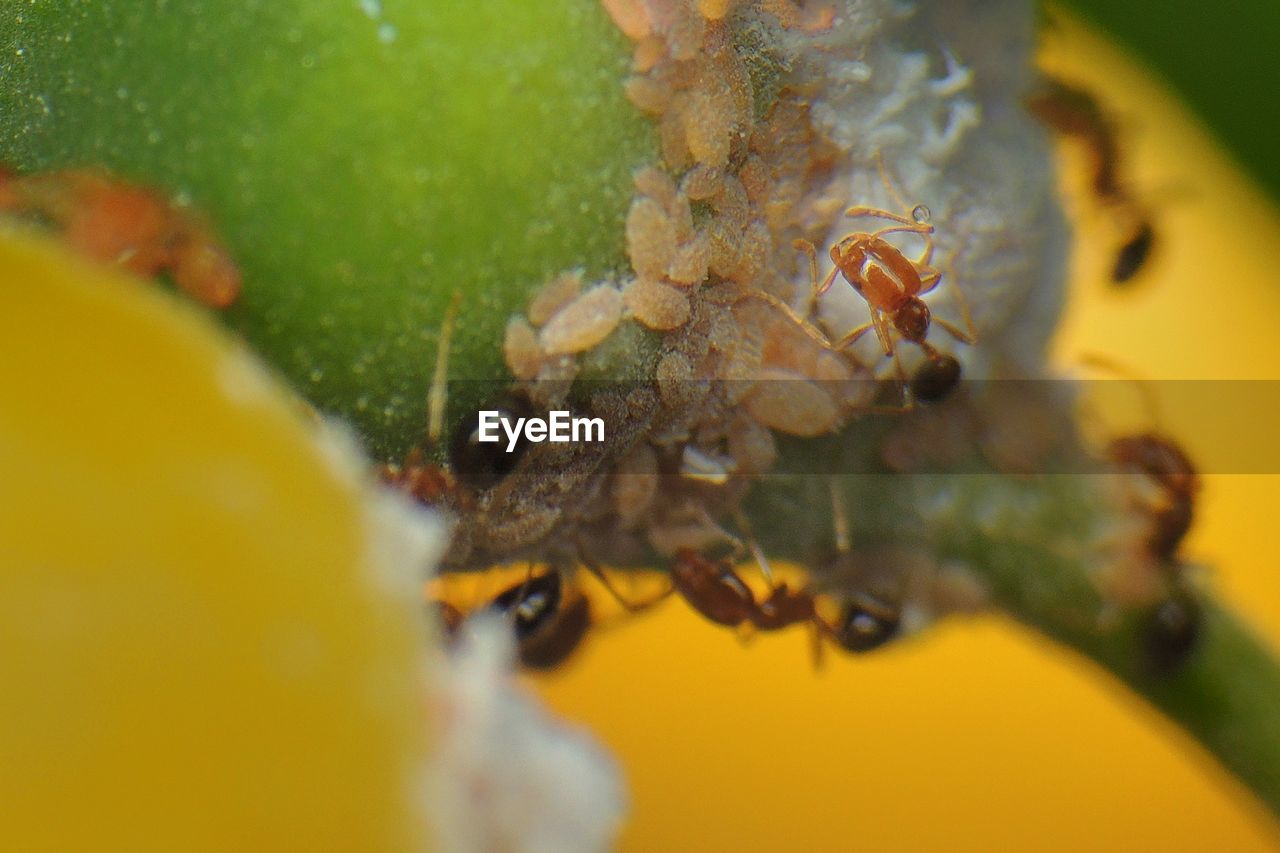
(979, 735)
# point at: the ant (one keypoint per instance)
(1172, 470)
(548, 624)
(892, 285)
(1076, 113)
(712, 588)
(114, 222)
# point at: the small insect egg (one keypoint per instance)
(921, 214)
(520, 349)
(658, 306)
(584, 322)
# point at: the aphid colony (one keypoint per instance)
(717, 236)
(118, 223)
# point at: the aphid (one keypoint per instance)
(1172, 632)
(549, 625)
(118, 223)
(1172, 470)
(1075, 113)
(583, 322)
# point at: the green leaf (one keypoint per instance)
(364, 161)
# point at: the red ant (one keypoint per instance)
(115, 222)
(713, 589)
(1171, 469)
(1076, 113)
(891, 283)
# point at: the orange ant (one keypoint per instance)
(118, 223)
(1076, 113)
(891, 283)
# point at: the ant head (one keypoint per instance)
(912, 319)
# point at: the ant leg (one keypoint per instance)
(882, 331)
(815, 289)
(629, 606)
(757, 552)
(970, 335)
(888, 184)
(955, 332)
(879, 213)
(805, 326)
(839, 519)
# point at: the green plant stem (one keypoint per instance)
(1035, 541)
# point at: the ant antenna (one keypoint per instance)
(839, 520)
(438, 396)
(762, 561)
(598, 573)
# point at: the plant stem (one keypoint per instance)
(1038, 544)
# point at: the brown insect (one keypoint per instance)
(1075, 113)
(715, 590)
(118, 223)
(712, 588)
(1172, 470)
(549, 620)
(891, 283)
(1172, 631)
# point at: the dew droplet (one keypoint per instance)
(921, 214)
